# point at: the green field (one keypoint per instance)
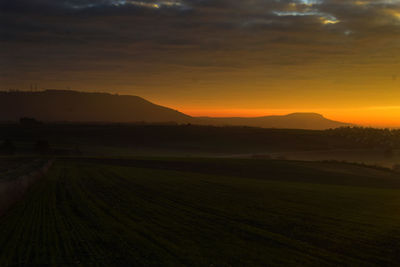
(205, 212)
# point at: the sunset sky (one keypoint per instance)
(213, 57)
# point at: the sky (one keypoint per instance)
(339, 58)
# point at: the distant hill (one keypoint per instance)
(293, 121)
(73, 106)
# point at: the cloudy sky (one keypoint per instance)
(213, 57)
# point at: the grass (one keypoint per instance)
(14, 167)
(205, 212)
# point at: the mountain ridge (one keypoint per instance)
(297, 120)
(74, 106)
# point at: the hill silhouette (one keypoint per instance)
(73, 106)
(295, 121)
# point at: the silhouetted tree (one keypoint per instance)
(7, 147)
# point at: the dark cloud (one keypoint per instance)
(124, 34)
(192, 21)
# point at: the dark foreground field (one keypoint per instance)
(206, 213)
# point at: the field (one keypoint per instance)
(12, 167)
(205, 212)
